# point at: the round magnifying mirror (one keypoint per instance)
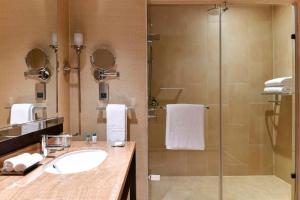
(103, 59)
(36, 59)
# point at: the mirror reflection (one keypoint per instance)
(27, 86)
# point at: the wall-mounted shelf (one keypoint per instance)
(165, 108)
(167, 88)
(277, 93)
(34, 107)
(104, 107)
(277, 100)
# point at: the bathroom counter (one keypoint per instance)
(109, 181)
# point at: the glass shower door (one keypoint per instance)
(257, 125)
(183, 68)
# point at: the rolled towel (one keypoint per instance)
(278, 90)
(283, 81)
(26, 163)
(10, 163)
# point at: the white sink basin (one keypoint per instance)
(76, 161)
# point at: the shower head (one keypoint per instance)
(214, 11)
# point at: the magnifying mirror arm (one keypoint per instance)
(112, 74)
(31, 74)
(43, 74)
(100, 75)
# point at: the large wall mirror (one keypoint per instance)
(27, 62)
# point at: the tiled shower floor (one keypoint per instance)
(206, 188)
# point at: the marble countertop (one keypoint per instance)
(104, 182)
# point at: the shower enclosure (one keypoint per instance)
(220, 56)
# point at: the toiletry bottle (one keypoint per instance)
(87, 138)
(94, 137)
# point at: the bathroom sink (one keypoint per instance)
(76, 161)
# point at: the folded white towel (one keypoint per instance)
(278, 90)
(30, 127)
(21, 113)
(283, 81)
(10, 164)
(185, 127)
(116, 123)
(23, 164)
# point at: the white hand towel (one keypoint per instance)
(278, 90)
(10, 164)
(30, 127)
(23, 164)
(116, 123)
(21, 113)
(283, 81)
(185, 127)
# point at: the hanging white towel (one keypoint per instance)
(278, 90)
(282, 81)
(185, 127)
(116, 123)
(21, 113)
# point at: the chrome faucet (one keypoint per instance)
(59, 143)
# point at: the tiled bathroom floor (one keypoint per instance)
(206, 188)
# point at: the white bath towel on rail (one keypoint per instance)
(185, 127)
(116, 127)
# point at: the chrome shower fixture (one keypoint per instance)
(217, 9)
(152, 36)
(214, 10)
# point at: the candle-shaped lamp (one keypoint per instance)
(78, 39)
(54, 39)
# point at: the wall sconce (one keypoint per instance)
(77, 46)
(54, 42)
(78, 43)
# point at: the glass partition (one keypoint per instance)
(183, 67)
